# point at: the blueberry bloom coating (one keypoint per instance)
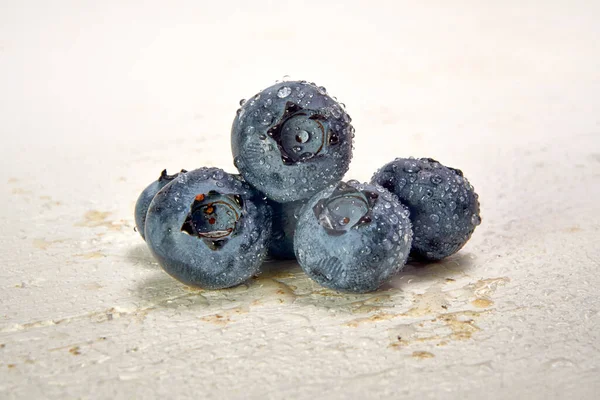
(285, 218)
(292, 140)
(353, 237)
(209, 229)
(143, 201)
(444, 208)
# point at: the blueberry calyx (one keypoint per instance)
(165, 177)
(346, 208)
(213, 218)
(301, 134)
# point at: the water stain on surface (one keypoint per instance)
(225, 317)
(91, 256)
(445, 310)
(21, 191)
(44, 244)
(422, 355)
(482, 303)
(101, 316)
(95, 219)
(434, 304)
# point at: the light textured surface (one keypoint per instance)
(96, 98)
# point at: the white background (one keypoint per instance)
(96, 98)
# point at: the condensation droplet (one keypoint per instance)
(284, 92)
(218, 174)
(267, 119)
(436, 179)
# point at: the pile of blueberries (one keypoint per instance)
(292, 144)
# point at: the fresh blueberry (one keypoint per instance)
(209, 229)
(285, 218)
(353, 237)
(292, 140)
(444, 208)
(141, 206)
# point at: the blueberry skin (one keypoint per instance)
(353, 237)
(292, 140)
(143, 201)
(444, 208)
(180, 233)
(285, 219)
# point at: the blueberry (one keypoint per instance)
(285, 218)
(209, 229)
(141, 206)
(352, 237)
(292, 140)
(444, 208)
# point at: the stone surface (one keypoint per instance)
(96, 99)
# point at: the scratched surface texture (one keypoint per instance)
(96, 98)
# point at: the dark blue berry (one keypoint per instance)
(353, 237)
(444, 208)
(285, 218)
(141, 206)
(292, 140)
(209, 229)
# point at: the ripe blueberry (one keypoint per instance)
(292, 140)
(353, 237)
(444, 208)
(209, 229)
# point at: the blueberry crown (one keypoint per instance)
(346, 208)
(213, 217)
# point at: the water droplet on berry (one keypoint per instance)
(302, 136)
(336, 112)
(411, 166)
(284, 92)
(267, 119)
(436, 179)
(237, 161)
(218, 174)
